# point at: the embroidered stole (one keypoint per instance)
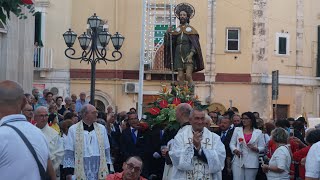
(79, 154)
(200, 168)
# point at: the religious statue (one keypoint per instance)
(183, 43)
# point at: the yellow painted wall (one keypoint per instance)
(234, 13)
(57, 22)
(126, 17)
(281, 20)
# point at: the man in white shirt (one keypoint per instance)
(16, 160)
(54, 140)
(313, 162)
(81, 102)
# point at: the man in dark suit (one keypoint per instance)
(157, 164)
(135, 141)
(225, 133)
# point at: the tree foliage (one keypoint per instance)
(14, 6)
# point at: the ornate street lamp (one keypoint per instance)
(92, 53)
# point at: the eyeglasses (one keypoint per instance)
(30, 110)
(43, 116)
(131, 166)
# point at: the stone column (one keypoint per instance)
(260, 100)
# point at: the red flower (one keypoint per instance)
(163, 103)
(154, 111)
(240, 140)
(190, 102)
(176, 101)
(143, 125)
(27, 1)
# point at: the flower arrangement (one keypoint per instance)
(162, 110)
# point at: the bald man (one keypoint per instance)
(87, 149)
(53, 138)
(183, 111)
(16, 160)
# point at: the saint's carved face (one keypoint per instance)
(183, 17)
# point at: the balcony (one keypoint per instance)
(42, 59)
(156, 70)
(157, 64)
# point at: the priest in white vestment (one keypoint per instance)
(87, 149)
(54, 140)
(197, 153)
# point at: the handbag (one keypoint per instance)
(43, 173)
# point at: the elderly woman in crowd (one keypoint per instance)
(246, 143)
(279, 164)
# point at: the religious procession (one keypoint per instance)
(178, 134)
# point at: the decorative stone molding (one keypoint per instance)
(286, 80)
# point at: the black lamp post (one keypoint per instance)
(95, 54)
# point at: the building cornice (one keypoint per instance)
(286, 80)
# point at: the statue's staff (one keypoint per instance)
(171, 55)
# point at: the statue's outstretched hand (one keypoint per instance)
(189, 57)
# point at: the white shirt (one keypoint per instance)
(16, 160)
(281, 158)
(313, 161)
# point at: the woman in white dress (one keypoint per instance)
(279, 164)
(246, 143)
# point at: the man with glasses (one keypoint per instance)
(27, 111)
(53, 138)
(131, 170)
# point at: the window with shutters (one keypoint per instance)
(282, 44)
(233, 40)
(37, 29)
(159, 15)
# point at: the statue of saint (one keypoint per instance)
(186, 50)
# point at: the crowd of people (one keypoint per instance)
(54, 137)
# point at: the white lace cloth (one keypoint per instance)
(91, 152)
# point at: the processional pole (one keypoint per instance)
(171, 55)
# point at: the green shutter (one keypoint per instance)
(159, 32)
(37, 29)
(282, 45)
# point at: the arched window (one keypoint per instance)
(100, 106)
